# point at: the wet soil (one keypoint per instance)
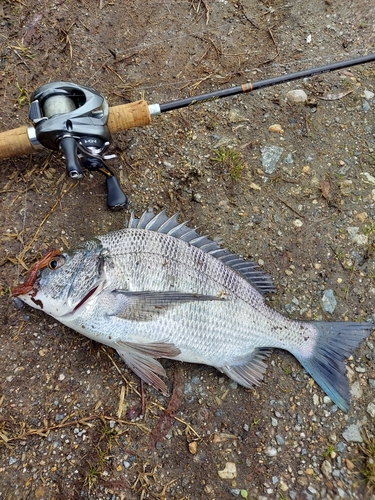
(74, 420)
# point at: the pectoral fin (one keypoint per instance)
(146, 306)
(141, 359)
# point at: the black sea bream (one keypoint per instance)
(157, 289)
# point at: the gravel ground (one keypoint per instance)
(288, 185)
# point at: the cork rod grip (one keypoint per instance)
(15, 143)
(125, 116)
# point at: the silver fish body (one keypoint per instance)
(157, 289)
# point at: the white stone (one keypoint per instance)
(353, 434)
(229, 472)
(371, 409)
(296, 96)
(368, 95)
(356, 390)
(326, 469)
(367, 178)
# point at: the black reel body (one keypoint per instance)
(73, 118)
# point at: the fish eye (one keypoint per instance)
(56, 262)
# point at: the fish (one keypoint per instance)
(158, 289)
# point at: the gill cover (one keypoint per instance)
(65, 281)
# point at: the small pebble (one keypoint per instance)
(193, 447)
(279, 440)
(328, 301)
(341, 447)
(316, 400)
(368, 95)
(371, 409)
(326, 469)
(229, 472)
(276, 128)
(235, 492)
(269, 157)
(367, 178)
(365, 105)
(353, 434)
(271, 452)
(296, 96)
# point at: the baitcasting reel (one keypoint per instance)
(73, 118)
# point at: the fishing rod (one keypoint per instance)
(78, 121)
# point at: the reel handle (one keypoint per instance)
(22, 140)
(116, 198)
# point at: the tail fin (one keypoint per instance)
(335, 342)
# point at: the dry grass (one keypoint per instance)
(368, 455)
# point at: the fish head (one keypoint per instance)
(62, 283)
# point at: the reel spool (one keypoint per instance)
(73, 118)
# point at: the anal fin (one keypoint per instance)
(248, 371)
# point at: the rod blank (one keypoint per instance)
(247, 87)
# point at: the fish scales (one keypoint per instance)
(166, 263)
(158, 289)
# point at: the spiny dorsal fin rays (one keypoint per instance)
(146, 217)
(161, 223)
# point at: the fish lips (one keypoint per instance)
(36, 300)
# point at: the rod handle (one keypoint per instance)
(125, 116)
(15, 142)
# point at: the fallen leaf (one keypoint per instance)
(165, 421)
(334, 97)
(325, 187)
(221, 437)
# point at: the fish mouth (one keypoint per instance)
(95, 290)
(85, 298)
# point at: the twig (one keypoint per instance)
(290, 206)
(67, 39)
(187, 425)
(128, 384)
(317, 221)
(27, 247)
(114, 72)
(68, 422)
(277, 49)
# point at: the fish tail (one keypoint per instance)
(334, 343)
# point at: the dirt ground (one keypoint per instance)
(73, 422)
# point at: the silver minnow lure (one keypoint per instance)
(157, 289)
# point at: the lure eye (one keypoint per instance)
(56, 262)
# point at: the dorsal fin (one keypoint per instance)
(161, 223)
